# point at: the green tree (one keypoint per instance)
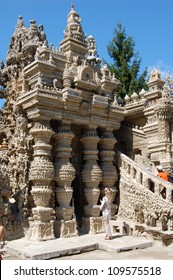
(126, 63)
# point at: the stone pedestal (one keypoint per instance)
(41, 174)
(93, 225)
(66, 228)
(41, 224)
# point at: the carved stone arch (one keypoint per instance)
(87, 74)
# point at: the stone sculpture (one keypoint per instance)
(60, 129)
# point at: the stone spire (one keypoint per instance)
(74, 28)
(155, 85)
(74, 42)
(24, 42)
(92, 55)
(16, 42)
(168, 86)
(20, 24)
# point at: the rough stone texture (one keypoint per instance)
(60, 129)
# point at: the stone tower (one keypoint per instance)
(59, 122)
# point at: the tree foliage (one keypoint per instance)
(126, 63)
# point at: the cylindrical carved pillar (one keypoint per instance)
(41, 174)
(91, 176)
(64, 175)
(164, 116)
(109, 172)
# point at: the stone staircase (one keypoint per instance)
(142, 209)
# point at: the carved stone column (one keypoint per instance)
(41, 174)
(164, 115)
(64, 175)
(109, 172)
(91, 176)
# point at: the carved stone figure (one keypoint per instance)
(164, 220)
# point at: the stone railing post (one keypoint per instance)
(125, 167)
(132, 172)
(64, 175)
(138, 176)
(91, 176)
(41, 174)
(169, 190)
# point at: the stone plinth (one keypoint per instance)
(41, 225)
(93, 225)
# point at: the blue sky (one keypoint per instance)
(149, 22)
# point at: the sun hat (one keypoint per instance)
(159, 167)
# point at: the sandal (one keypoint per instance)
(108, 238)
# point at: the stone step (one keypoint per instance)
(76, 245)
(134, 229)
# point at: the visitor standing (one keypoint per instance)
(170, 179)
(1, 238)
(163, 175)
(105, 207)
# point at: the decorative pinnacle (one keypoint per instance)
(72, 6)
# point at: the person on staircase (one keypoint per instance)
(170, 179)
(163, 175)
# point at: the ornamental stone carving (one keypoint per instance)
(109, 172)
(41, 175)
(64, 175)
(91, 174)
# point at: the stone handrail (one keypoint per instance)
(135, 173)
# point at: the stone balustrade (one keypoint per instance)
(144, 178)
(141, 200)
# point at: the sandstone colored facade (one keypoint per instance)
(65, 136)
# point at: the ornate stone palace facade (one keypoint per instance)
(65, 136)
